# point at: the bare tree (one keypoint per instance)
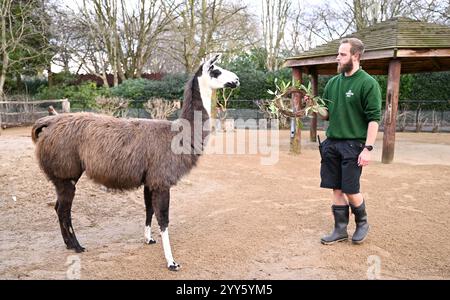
(102, 21)
(94, 54)
(161, 109)
(112, 36)
(113, 106)
(143, 30)
(369, 12)
(203, 27)
(436, 11)
(436, 123)
(274, 18)
(20, 23)
(64, 33)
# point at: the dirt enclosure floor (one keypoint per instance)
(234, 218)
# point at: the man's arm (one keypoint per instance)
(323, 113)
(372, 131)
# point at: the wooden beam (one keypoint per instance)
(390, 114)
(330, 59)
(309, 61)
(315, 86)
(378, 54)
(296, 132)
(423, 53)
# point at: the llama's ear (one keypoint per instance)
(215, 58)
(211, 62)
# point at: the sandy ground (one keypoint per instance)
(234, 218)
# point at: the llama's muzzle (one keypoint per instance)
(232, 84)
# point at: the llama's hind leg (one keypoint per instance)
(149, 214)
(160, 201)
(65, 190)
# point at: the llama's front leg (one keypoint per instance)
(148, 218)
(160, 203)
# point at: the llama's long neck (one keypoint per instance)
(197, 100)
(195, 113)
(206, 95)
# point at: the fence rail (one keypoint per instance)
(22, 113)
(19, 113)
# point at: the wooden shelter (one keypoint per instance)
(396, 46)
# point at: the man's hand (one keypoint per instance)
(364, 158)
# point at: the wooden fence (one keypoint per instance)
(24, 113)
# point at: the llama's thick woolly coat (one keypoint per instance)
(117, 153)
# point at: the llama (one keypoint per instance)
(126, 153)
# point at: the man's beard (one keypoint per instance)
(345, 68)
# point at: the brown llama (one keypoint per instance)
(127, 153)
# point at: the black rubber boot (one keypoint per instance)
(362, 227)
(339, 234)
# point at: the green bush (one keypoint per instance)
(32, 86)
(171, 87)
(63, 78)
(422, 90)
(80, 96)
(131, 89)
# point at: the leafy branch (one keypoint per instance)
(310, 103)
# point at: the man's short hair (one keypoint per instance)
(357, 46)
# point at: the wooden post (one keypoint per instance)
(213, 117)
(390, 113)
(296, 132)
(313, 126)
(66, 106)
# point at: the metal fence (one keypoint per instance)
(19, 113)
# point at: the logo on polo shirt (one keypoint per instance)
(349, 93)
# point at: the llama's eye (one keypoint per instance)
(211, 68)
(215, 73)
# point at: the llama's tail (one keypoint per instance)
(38, 126)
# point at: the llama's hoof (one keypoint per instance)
(174, 267)
(80, 249)
(150, 241)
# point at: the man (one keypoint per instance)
(353, 112)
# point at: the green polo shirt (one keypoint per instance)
(354, 101)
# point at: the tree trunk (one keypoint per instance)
(50, 75)
(358, 15)
(3, 73)
(19, 82)
(4, 53)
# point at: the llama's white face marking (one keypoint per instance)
(213, 78)
(171, 264)
(148, 235)
(217, 78)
